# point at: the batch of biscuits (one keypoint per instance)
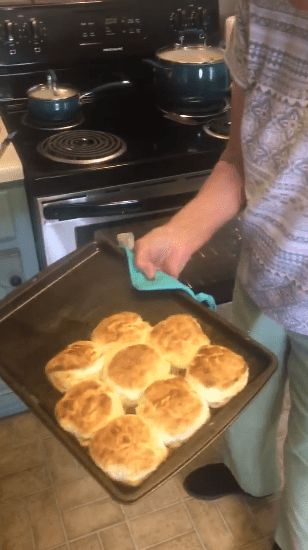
(133, 391)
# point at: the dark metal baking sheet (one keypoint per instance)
(64, 303)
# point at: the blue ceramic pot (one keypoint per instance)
(55, 103)
(54, 110)
(190, 79)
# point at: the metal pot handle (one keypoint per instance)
(102, 87)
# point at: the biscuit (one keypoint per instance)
(78, 361)
(218, 374)
(134, 368)
(174, 409)
(86, 408)
(127, 450)
(177, 338)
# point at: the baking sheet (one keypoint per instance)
(64, 303)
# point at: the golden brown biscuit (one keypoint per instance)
(134, 368)
(86, 408)
(178, 338)
(78, 361)
(218, 373)
(120, 330)
(174, 409)
(127, 449)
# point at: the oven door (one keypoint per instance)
(67, 222)
(63, 235)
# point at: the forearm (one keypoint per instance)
(219, 200)
(170, 246)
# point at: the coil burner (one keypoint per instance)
(82, 147)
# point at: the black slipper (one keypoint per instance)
(211, 482)
(276, 547)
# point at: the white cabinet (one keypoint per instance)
(18, 262)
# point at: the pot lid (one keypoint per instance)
(43, 91)
(191, 54)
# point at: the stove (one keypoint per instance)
(155, 146)
(121, 163)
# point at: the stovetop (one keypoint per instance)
(156, 147)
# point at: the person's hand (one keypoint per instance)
(164, 249)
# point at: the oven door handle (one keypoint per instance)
(66, 210)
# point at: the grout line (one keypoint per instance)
(128, 520)
(86, 503)
(32, 537)
(57, 546)
(194, 526)
(25, 469)
(22, 501)
(139, 515)
(100, 543)
(250, 545)
(153, 546)
(30, 524)
(49, 486)
(127, 523)
(66, 540)
(86, 535)
(93, 532)
(250, 511)
(245, 503)
(225, 522)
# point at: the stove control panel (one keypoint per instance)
(193, 17)
(22, 34)
(69, 33)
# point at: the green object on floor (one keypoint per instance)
(162, 281)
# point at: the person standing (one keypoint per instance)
(263, 172)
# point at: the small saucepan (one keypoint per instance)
(55, 103)
(190, 78)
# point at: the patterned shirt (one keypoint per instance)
(268, 57)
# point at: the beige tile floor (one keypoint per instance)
(48, 501)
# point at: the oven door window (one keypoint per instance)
(212, 269)
(139, 227)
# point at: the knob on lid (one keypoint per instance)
(51, 90)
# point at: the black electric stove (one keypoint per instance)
(153, 145)
(87, 44)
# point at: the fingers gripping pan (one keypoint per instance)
(161, 281)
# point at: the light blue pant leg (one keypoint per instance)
(250, 443)
(292, 531)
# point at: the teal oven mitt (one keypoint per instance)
(162, 281)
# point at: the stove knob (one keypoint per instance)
(177, 19)
(201, 18)
(35, 30)
(9, 30)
